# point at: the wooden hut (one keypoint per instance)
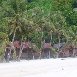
(74, 53)
(12, 50)
(67, 51)
(46, 50)
(29, 50)
(26, 50)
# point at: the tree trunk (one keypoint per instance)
(51, 38)
(33, 56)
(49, 54)
(13, 37)
(40, 55)
(42, 41)
(20, 49)
(41, 44)
(59, 43)
(20, 52)
(14, 55)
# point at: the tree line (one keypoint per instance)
(52, 21)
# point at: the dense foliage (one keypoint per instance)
(54, 21)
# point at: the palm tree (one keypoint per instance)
(58, 21)
(15, 14)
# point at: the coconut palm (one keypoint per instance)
(59, 23)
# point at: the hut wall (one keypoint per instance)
(74, 52)
(30, 54)
(46, 53)
(66, 53)
(24, 54)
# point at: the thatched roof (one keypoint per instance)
(17, 44)
(47, 45)
(26, 45)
